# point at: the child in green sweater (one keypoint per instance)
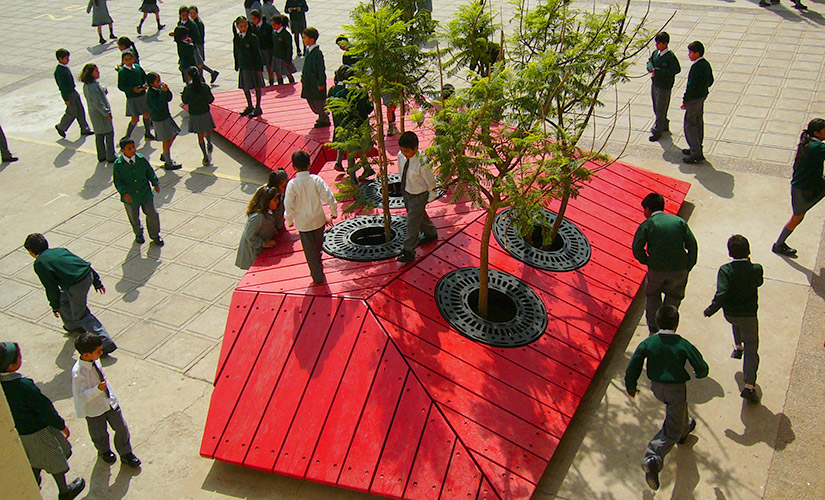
(74, 106)
(666, 353)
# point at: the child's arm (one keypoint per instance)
(51, 286)
(289, 203)
(700, 367)
(634, 369)
(43, 406)
(327, 197)
(84, 389)
(722, 287)
(250, 234)
(429, 178)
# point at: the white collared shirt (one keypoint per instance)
(420, 176)
(666, 332)
(663, 52)
(312, 47)
(89, 401)
(697, 60)
(302, 202)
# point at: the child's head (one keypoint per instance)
(278, 179)
(127, 58)
(667, 318)
(193, 12)
(408, 144)
(89, 345)
(267, 1)
(300, 160)
(654, 202)
(10, 357)
(260, 200)
(284, 20)
(36, 244)
(153, 79)
(194, 75)
(127, 147)
(342, 42)
(662, 39)
(124, 43)
(343, 73)
(183, 12)
(255, 16)
(181, 33)
(241, 24)
(738, 247)
(695, 50)
(89, 73)
(62, 56)
(310, 36)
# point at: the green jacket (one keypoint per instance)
(666, 353)
(59, 269)
(665, 69)
(282, 45)
(247, 52)
(200, 37)
(313, 75)
(158, 102)
(194, 31)
(736, 289)
(264, 33)
(136, 180)
(30, 409)
(664, 242)
(700, 78)
(186, 55)
(807, 172)
(197, 99)
(128, 79)
(65, 81)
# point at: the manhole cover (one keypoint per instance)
(522, 317)
(370, 192)
(572, 253)
(362, 238)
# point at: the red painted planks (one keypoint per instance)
(238, 310)
(507, 485)
(463, 478)
(487, 492)
(432, 459)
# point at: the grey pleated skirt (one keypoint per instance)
(149, 8)
(283, 67)
(250, 79)
(166, 129)
(47, 449)
(199, 124)
(136, 106)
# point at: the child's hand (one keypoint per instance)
(56, 314)
(164, 87)
(138, 90)
(110, 116)
(67, 102)
(682, 106)
(127, 198)
(66, 432)
(157, 188)
(632, 394)
(102, 386)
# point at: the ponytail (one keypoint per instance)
(816, 125)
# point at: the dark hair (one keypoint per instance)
(255, 13)
(36, 243)
(343, 73)
(86, 73)
(667, 317)
(61, 53)
(662, 37)
(238, 20)
(277, 177)
(654, 202)
(408, 140)
(697, 47)
(312, 33)
(805, 138)
(182, 9)
(125, 142)
(151, 77)
(87, 342)
(195, 80)
(181, 32)
(341, 38)
(195, 8)
(125, 41)
(128, 53)
(300, 160)
(260, 200)
(4, 352)
(738, 246)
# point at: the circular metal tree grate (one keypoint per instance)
(517, 315)
(362, 238)
(370, 192)
(572, 253)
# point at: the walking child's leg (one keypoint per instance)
(100, 146)
(133, 213)
(152, 219)
(60, 480)
(750, 338)
(109, 139)
(140, 24)
(202, 145)
(157, 19)
(147, 127)
(131, 127)
(257, 98)
(248, 95)
(99, 433)
(208, 136)
(122, 439)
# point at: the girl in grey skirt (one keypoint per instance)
(100, 18)
(100, 113)
(249, 64)
(41, 429)
(198, 96)
(158, 97)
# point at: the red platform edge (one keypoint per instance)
(361, 384)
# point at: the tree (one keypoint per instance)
(469, 39)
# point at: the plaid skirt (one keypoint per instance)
(47, 449)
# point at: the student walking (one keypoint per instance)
(807, 183)
(150, 7)
(665, 244)
(737, 294)
(198, 37)
(314, 78)
(101, 18)
(134, 179)
(700, 78)
(100, 113)
(663, 67)
(297, 10)
(43, 433)
(302, 205)
(249, 65)
(74, 106)
(282, 50)
(187, 53)
(198, 96)
(666, 353)
(131, 80)
(67, 279)
(418, 187)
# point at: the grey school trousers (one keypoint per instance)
(746, 331)
(661, 102)
(318, 106)
(312, 242)
(417, 219)
(675, 426)
(75, 312)
(152, 218)
(695, 124)
(100, 434)
(74, 111)
(670, 283)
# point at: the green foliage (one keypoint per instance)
(469, 39)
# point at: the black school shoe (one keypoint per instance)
(75, 487)
(693, 159)
(750, 395)
(247, 111)
(783, 249)
(158, 242)
(737, 353)
(108, 457)
(691, 427)
(651, 473)
(131, 460)
(406, 257)
(256, 112)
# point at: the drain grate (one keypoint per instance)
(573, 253)
(361, 238)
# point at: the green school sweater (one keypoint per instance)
(282, 45)
(807, 173)
(136, 180)
(664, 242)
(198, 100)
(666, 353)
(665, 68)
(65, 81)
(264, 33)
(158, 102)
(128, 79)
(700, 78)
(200, 37)
(313, 75)
(736, 289)
(194, 31)
(58, 269)
(30, 409)
(247, 52)
(186, 55)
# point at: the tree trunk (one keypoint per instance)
(484, 272)
(562, 209)
(383, 162)
(402, 110)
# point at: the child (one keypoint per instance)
(666, 353)
(101, 17)
(124, 43)
(263, 30)
(700, 78)
(278, 179)
(7, 156)
(259, 231)
(198, 96)
(302, 205)
(43, 433)
(67, 279)
(417, 188)
(297, 10)
(157, 98)
(95, 401)
(150, 7)
(347, 59)
(132, 178)
(248, 64)
(187, 54)
(663, 66)
(74, 107)
(131, 80)
(198, 37)
(250, 5)
(314, 77)
(282, 50)
(348, 122)
(737, 286)
(269, 11)
(807, 183)
(100, 113)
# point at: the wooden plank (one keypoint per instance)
(507, 485)
(432, 459)
(238, 311)
(463, 478)
(323, 384)
(487, 492)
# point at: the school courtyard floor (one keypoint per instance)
(166, 307)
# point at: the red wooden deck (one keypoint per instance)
(360, 383)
